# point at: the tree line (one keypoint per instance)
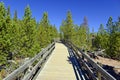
(22, 38)
(79, 35)
(107, 37)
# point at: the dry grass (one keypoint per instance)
(2, 74)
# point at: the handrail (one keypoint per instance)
(98, 68)
(27, 77)
(22, 68)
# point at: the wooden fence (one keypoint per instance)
(94, 70)
(30, 68)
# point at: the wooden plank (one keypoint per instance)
(32, 72)
(99, 68)
(21, 69)
(91, 73)
(96, 66)
(58, 66)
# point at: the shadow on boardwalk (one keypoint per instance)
(79, 73)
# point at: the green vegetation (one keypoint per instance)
(20, 39)
(79, 35)
(107, 38)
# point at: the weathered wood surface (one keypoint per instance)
(58, 66)
(94, 65)
(43, 54)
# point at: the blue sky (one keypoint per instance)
(97, 11)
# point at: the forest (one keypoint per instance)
(107, 37)
(24, 38)
(20, 39)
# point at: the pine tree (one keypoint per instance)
(3, 36)
(15, 16)
(10, 29)
(101, 29)
(109, 25)
(85, 23)
(27, 33)
(43, 31)
(101, 39)
(23, 38)
(83, 37)
(116, 39)
(88, 36)
(67, 27)
(62, 29)
(111, 28)
(46, 32)
(16, 33)
(45, 22)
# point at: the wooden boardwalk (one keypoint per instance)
(58, 66)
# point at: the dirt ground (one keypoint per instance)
(109, 62)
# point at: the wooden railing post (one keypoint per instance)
(22, 70)
(98, 73)
(83, 55)
(92, 67)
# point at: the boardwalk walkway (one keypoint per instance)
(58, 66)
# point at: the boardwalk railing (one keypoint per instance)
(94, 70)
(29, 69)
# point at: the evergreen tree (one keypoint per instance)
(110, 25)
(9, 34)
(62, 29)
(23, 38)
(113, 41)
(15, 16)
(102, 38)
(83, 38)
(45, 22)
(101, 29)
(46, 32)
(27, 34)
(67, 27)
(85, 23)
(3, 36)
(16, 33)
(88, 36)
(43, 31)
(110, 41)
